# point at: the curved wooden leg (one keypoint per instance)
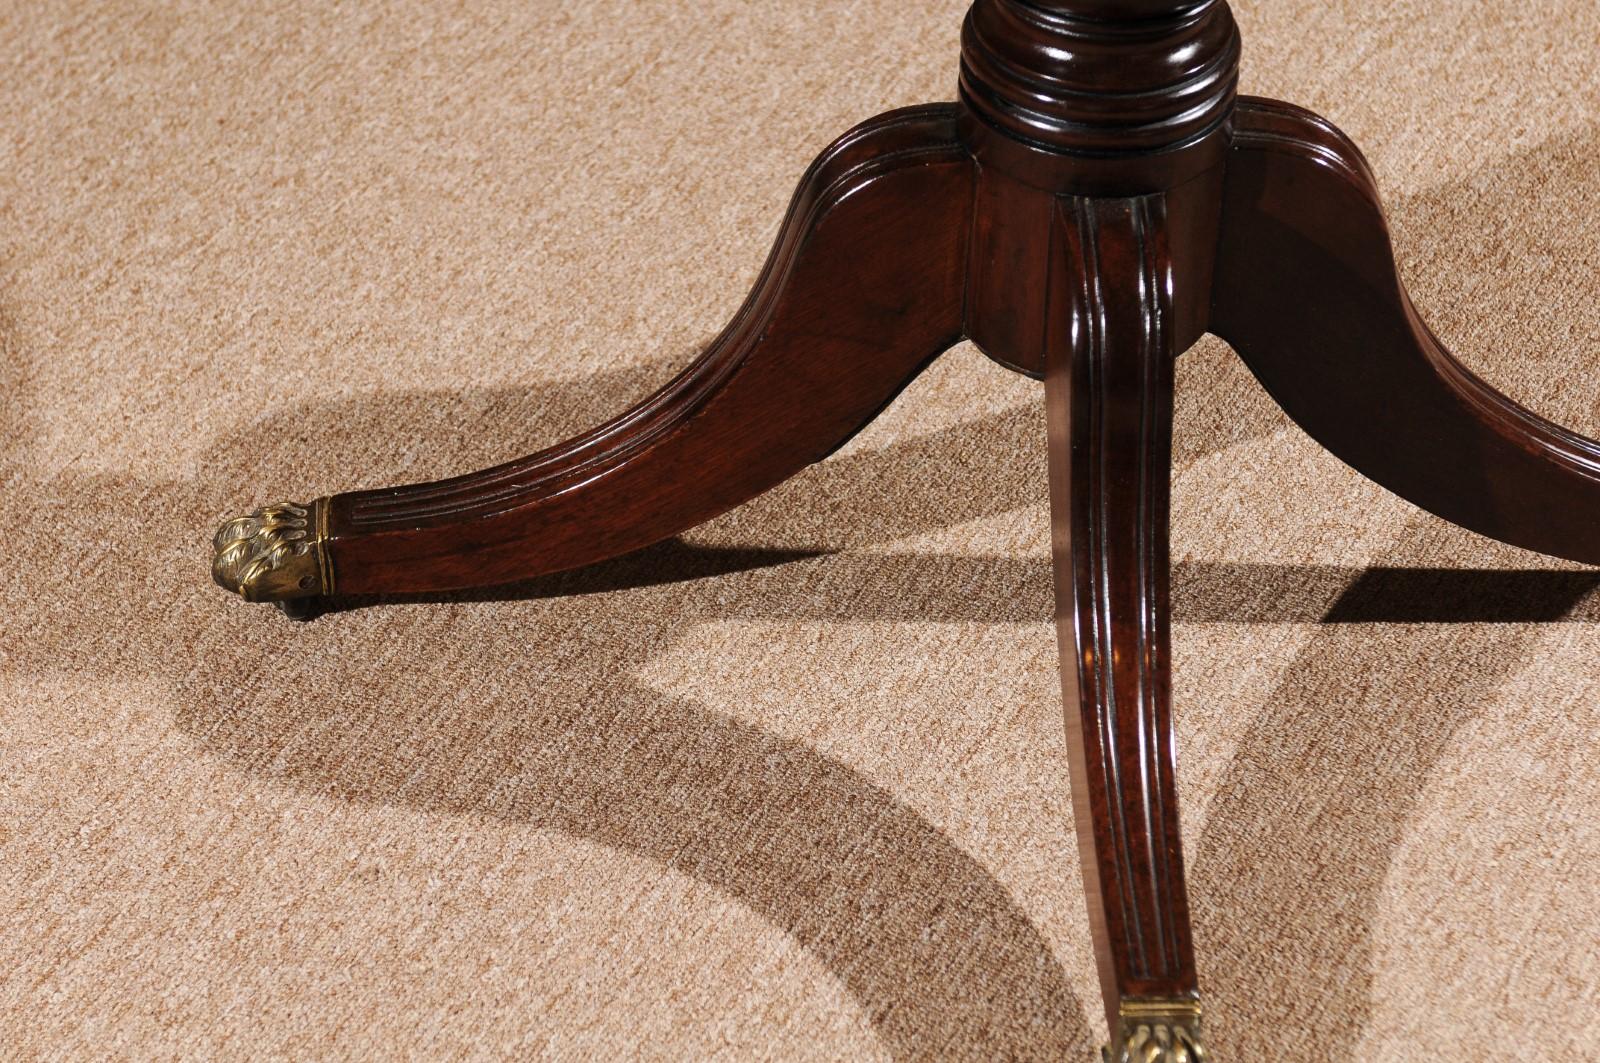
(1307, 293)
(863, 288)
(1111, 342)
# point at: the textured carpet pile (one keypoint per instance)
(794, 786)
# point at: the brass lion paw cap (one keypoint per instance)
(277, 553)
(1157, 1030)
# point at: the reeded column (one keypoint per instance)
(1133, 95)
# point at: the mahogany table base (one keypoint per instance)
(1095, 202)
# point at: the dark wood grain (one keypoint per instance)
(862, 290)
(1098, 97)
(1108, 393)
(1308, 295)
(1101, 140)
(1094, 203)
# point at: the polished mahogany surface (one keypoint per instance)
(1095, 201)
(1309, 296)
(862, 290)
(1108, 395)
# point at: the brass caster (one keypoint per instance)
(1157, 1031)
(277, 554)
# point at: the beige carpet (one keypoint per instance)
(727, 800)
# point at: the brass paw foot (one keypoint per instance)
(1158, 1031)
(276, 554)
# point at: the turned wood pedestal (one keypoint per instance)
(1095, 200)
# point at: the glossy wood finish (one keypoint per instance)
(862, 290)
(1108, 390)
(1098, 97)
(1122, 286)
(1095, 202)
(1101, 149)
(1308, 294)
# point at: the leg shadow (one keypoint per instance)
(1287, 875)
(933, 948)
(534, 717)
(930, 944)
